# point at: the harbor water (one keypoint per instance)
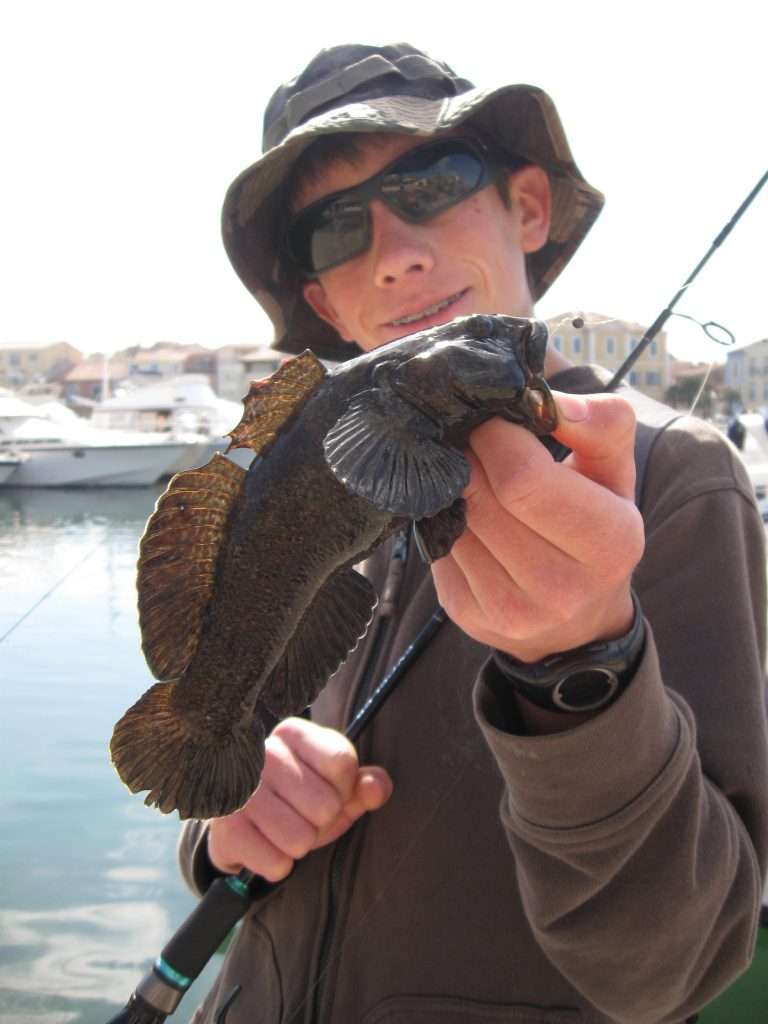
(89, 890)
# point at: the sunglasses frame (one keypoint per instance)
(492, 169)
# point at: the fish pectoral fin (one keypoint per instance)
(271, 402)
(327, 633)
(436, 535)
(177, 562)
(390, 453)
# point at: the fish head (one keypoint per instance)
(476, 367)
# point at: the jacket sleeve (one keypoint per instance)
(641, 837)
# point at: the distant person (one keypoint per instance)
(737, 433)
(562, 814)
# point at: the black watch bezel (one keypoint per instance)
(605, 666)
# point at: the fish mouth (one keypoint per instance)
(428, 311)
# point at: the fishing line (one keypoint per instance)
(582, 321)
(48, 593)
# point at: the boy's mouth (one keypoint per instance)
(423, 314)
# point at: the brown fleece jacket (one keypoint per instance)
(609, 873)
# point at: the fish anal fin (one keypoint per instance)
(178, 554)
(328, 632)
(271, 402)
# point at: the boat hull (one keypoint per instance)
(96, 466)
(7, 468)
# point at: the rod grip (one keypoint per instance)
(192, 946)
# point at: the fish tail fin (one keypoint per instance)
(185, 765)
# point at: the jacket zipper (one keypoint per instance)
(390, 594)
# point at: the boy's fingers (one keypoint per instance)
(600, 431)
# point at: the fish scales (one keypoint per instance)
(261, 589)
(248, 599)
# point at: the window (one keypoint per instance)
(634, 377)
(558, 342)
(576, 344)
(654, 348)
(610, 345)
(653, 378)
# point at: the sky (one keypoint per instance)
(124, 123)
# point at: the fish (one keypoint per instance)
(248, 595)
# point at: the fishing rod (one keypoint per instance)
(228, 898)
(666, 313)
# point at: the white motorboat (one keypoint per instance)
(184, 407)
(62, 450)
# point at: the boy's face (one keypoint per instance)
(468, 259)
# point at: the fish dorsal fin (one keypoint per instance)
(177, 562)
(328, 632)
(271, 402)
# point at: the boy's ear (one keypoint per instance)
(317, 300)
(531, 196)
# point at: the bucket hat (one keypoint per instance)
(393, 88)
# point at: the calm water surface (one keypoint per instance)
(89, 891)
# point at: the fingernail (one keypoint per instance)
(573, 408)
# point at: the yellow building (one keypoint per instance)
(607, 342)
(25, 364)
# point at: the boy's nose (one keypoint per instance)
(399, 248)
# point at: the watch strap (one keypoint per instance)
(586, 678)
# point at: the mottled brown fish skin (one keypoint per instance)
(313, 527)
(283, 607)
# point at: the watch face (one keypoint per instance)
(586, 690)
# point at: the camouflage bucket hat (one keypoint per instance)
(395, 89)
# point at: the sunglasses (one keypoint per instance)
(416, 186)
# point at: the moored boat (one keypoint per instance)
(185, 407)
(62, 450)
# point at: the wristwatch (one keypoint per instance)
(585, 678)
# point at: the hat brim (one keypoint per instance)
(522, 118)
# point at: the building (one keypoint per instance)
(746, 374)
(608, 341)
(238, 365)
(87, 379)
(32, 364)
(163, 360)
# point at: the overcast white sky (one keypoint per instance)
(123, 124)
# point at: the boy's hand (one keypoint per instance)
(546, 561)
(311, 791)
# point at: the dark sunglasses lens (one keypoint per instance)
(418, 186)
(431, 179)
(329, 233)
